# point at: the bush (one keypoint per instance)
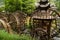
(10, 5)
(26, 6)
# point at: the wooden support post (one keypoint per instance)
(48, 29)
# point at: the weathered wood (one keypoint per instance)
(44, 16)
(15, 20)
(6, 26)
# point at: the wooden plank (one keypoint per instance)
(43, 17)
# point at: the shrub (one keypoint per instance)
(26, 6)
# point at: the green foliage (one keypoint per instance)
(1, 9)
(10, 5)
(5, 36)
(58, 4)
(26, 6)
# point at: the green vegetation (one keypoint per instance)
(58, 4)
(2, 5)
(6, 36)
(26, 6)
(2, 9)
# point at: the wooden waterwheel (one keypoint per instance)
(4, 22)
(17, 21)
(13, 21)
(42, 24)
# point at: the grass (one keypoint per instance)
(6, 36)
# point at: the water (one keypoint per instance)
(56, 38)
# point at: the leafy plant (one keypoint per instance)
(10, 5)
(26, 6)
